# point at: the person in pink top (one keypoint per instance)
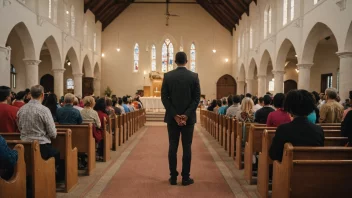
(348, 109)
(278, 117)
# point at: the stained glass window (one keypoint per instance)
(153, 58)
(73, 21)
(167, 56)
(136, 58)
(193, 57)
(70, 84)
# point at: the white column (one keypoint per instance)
(5, 66)
(240, 87)
(345, 81)
(250, 86)
(97, 87)
(32, 72)
(77, 79)
(279, 81)
(59, 82)
(304, 76)
(261, 85)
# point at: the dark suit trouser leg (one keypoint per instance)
(174, 137)
(187, 137)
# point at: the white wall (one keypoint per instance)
(145, 24)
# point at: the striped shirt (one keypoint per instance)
(35, 122)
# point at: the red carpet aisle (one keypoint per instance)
(145, 171)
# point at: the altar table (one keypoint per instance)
(152, 102)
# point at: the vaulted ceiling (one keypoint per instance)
(226, 12)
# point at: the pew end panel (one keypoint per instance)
(15, 187)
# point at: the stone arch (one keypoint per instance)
(54, 53)
(71, 54)
(348, 43)
(172, 39)
(251, 69)
(26, 39)
(282, 54)
(97, 71)
(225, 86)
(265, 60)
(87, 67)
(242, 73)
(318, 32)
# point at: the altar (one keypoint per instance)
(152, 103)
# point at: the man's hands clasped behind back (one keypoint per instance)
(181, 120)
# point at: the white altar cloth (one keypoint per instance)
(152, 102)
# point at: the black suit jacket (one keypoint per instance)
(180, 94)
(299, 132)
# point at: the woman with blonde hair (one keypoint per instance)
(246, 114)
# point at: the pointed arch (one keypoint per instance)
(282, 54)
(251, 69)
(242, 73)
(318, 32)
(54, 53)
(26, 40)
(72, 56)
(87, 67)
(265, 60)
(97, 71)
(348, 43)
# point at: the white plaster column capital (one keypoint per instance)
(77, 75)
(278, 73)
(344, 54)
(304, 66)
(31, 62)
(58, 70)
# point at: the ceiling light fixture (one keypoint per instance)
(214, 50)
(102, 55)
(68, 63)
(67, 12)
(226, 60)
(118, 49)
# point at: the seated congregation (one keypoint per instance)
(290, 145)
(43, 142)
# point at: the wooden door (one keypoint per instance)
(289, 85)
(88, 86)
(47, 81)
(226, 86)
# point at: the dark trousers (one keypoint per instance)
(174, 138)
(47, 151)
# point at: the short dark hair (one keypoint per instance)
(255, 100)
(119, 100)
(100, 105)
(350, 95)
(125, 99)
(279, 99)
(248, 95)
(20, 95)
(267, 100)
(299, 103)
(218, 102)
(229, 100)
(316, 96)
(37, 91)
(261, 99)
(236, 99)
(181, 58)
(4, 92)
(224, 102)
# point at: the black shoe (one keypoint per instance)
(186, 182)
(173, 181)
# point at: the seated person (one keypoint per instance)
(19, 102)
(8, 160)
(279, 116)
(51, 103)
(76, 104)
(346, 127)
(212, 106)
(258, 103)
(222, 109)
(100, 107)
(233, 109)
(332, 110)
(125, 103)
(117, 110)
(299, 132)
(217, 106)
(67, 114)
(246, 112)
(8, 113)
(36, 123)
(129, 105)
(109, 109)
(261, 115)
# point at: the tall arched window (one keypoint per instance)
(95, 42)
(67, 19)
(250, 37)
(136, 58)
(153, 58)
(193, 57)
(316, 1)
(269, 19)
(242, 42)
(70, 83)
(73, 21)
(13, 77)
(85, 33)
(239, 47)
(167, 56)
(284, 10)
(292, 10)
(267, 22)
(50, 9)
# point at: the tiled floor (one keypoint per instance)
(140, 169)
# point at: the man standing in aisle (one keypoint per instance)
(180, 94)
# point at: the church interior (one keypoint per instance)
(123, 48)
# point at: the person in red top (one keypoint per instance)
(100, 107)
(19, 102)
(8, 113)
(279, 116)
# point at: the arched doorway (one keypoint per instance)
(289, 85)
(47, 81)
(226, 86)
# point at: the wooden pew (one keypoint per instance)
(313, 172)
(83, 140)
(229, 135)
(238, 157)
(63, 143)
(15, 187)
(42, 171)
(233, 137)
(224, 132)
(265, 161)
(125, 134)
(217, 128)
(107, 140)
(114, 134)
